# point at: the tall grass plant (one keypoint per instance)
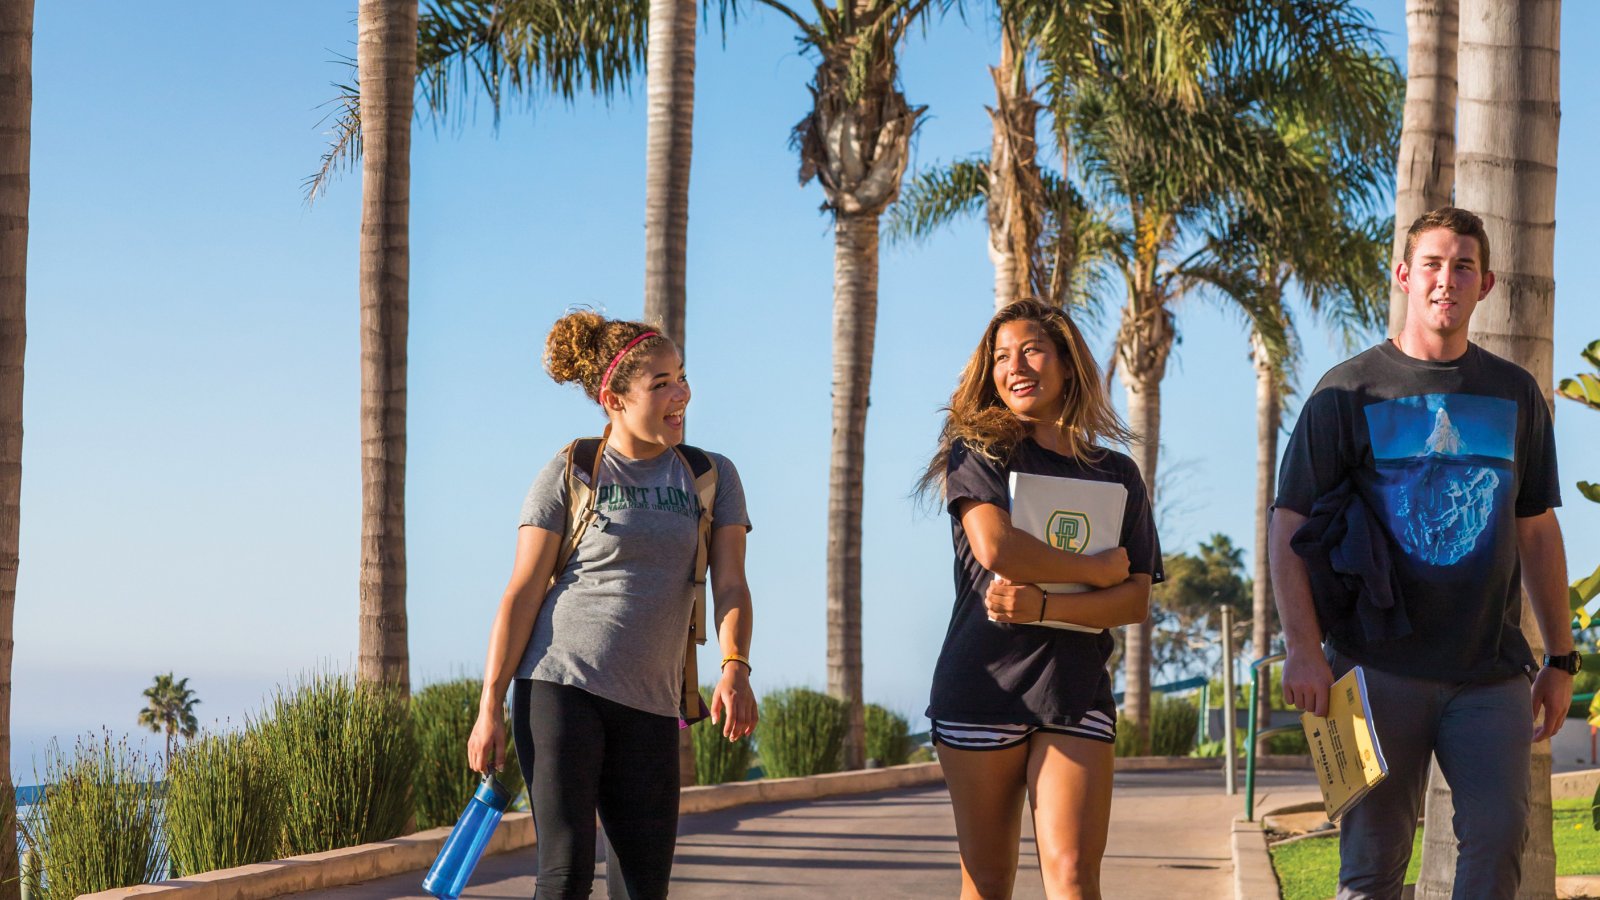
(801, 733)
(444, 713)
(348, 754)
(225, 803)
(97, 827)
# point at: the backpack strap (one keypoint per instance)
(583, 485)
(704, 472)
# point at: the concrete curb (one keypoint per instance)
(1574, 785)
(416, 852)
(1253, 878)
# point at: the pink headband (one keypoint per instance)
(606, 381)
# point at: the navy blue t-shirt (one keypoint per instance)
(997, 673)
(1447, 455)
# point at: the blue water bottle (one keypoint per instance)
(466, 842)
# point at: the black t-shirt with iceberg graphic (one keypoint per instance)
(996, 673)
(1448, 455)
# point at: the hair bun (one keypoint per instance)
(572, 350)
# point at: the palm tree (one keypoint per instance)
(1171, 165)
(386, 53)
(1507, 165)
(16, 114)
(170, 709)
(1427, 168)
(855, 142)
(1341, 275)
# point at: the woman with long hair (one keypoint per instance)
(593, 647)
(1021, 710)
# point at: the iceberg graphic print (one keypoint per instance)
(1444, 467)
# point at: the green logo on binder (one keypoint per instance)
(1068, 530)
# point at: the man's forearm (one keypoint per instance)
(1544, 577)
(1291, 585)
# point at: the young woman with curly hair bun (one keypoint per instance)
(594, 653)
(1021, 711)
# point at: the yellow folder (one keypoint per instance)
(1344, 745)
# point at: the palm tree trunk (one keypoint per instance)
(855, 316)
(16, 114)
(1428, 132)
(668, 143)
(386, 53)
(1015, 191)
(1269, 411)
(1507, 161)
(1143, 344)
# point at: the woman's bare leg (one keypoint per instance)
(987, 789)
(1069, 788)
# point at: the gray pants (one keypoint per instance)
(1480, 734)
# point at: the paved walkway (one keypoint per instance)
(1169, 838)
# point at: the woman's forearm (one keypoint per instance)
(734, 625)
(1124, 604)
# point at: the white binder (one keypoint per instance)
(1069, 514)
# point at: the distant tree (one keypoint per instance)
(171, 709)
(1187, 606)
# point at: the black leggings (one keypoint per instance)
(580, 753)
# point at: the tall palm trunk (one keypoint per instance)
(1509, 121)
(386, 53)
(669, 141)
(1015, 192)
(668, 144)
(855, 316)
(1144, 342)
(1269, 413)
(856, 142)
(16, 112)
(1428, 131)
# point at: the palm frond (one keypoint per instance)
(936, 197)
(344, 145)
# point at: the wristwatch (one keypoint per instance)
(1569, 663)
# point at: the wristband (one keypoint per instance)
(1044, 601)
(737, 657)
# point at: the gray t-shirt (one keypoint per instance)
(616, 620)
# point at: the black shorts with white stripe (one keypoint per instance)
(1093, 725)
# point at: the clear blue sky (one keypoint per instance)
(191, 495)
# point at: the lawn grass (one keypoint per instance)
(1309, 869)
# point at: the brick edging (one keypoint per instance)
(416, 852)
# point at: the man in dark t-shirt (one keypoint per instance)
(1451, 451)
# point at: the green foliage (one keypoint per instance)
(921, 755)
(801, 733)
(1586, 682)
(888, 736)
(718, 760)
(225, 804)
(1584, 389)
(1173, 723)
(444, 714)
(1189, 603)
(96, 827)
(348, 753)
(1289, 743)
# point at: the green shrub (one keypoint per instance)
(1289, 743)
(801, 733)
(1586, 682)
(96, 827)
(921, 755)
(718, 760)
(224, 804)
(1173, 724)
(444, 714)
(347, 752)
(888, 736)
